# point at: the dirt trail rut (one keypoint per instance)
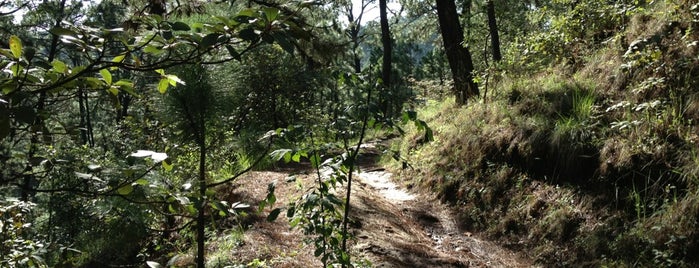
(402, 229)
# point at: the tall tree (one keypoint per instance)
(387, 49)
(493, 28)
(353, 31)
(458, 55)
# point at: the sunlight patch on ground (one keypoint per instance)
(381, 181)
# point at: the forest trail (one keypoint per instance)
(402, 229)
(392, 226)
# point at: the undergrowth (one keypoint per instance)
(590, 164)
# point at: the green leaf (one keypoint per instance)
(315, 160)
(271, 13)
(152, 50)
(59, 66)
(248, 34)
(16, 46)
(274, 214)
(6, 53)
(107, 76)
(167, 166)
(246, 12)
(283, 42)
(287, 157)
(126, 86)
(180, 26)
(125, 190)
(163, 84)
(141, 182)
(296, 157)
(209, 40)
(119, 58)
(113, 90)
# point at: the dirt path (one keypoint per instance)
(394, 228)
(402, 229)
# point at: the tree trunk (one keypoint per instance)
(466, 13)
(201, 217)
(493, 27)
(387, 52)
(459, 57)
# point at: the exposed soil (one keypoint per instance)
(393, 227)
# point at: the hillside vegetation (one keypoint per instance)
(591, 158)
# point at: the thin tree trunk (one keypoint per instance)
(201, 217)
(459, 57)
(466, 13)
(387, 61)
(494, 35)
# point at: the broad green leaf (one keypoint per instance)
(107, 76)
(180, 26)
(271, 13)
(119, 58)
(125, 190)
(167, 166)
(126, 86)
(246, 12)
(296, 157)
(283, 42)
(59, 66)
(248, 34)
(274, 214)
(209, 40)
(16, 69)
(287, 157)
(16, 46)
(315, 160)
(141, 182)
(6, 53)
(113, 90)
(152, 50)
(162, 85)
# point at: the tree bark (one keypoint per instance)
(459, 57)
(201, 217)
(493, 27)
(387, 53)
